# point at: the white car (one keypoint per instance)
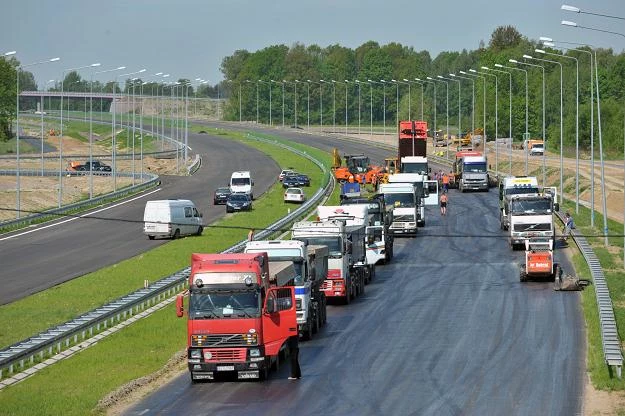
(294, 195)
(285, 172)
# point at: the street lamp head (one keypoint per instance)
(539, 51)
(406, 80)
(393, 80)
(550, 44)
(472, 70)
(370, 80)
(462, 72)
(9, 53)
(120, 68)
(165, 76)
(55, 59)
(570, 8)
(308, 80)
(140, 71)
(418, 79)
(452, 75)
(94, 65)
(486, 68)
(545, 39)
(569, 23)
(528, 57)
(499, 65)
(430, 78)
(158, 74)
(321, 80)
(514, 61)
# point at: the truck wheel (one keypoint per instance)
(316, 324)
(557, 272)
(307, 333)
(263, 374)
(176, 234)
(523, 275)
(151, 237)
(200, 229)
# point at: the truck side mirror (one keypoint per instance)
(556, 206)
(270, 306)
(179, 306)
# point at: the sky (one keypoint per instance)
(189, 38)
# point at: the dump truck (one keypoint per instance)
(514, 185)
(470, 171)
(530, 216)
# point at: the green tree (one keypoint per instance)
(7, 97)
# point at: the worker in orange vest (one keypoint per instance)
(351, 178)
(445, 182)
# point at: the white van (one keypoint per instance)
(171, 218)
(241, 181)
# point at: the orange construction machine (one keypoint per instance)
(539, 262)
(356, 168)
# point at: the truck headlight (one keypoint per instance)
(196, 354)
(254, 352)
(298, 304)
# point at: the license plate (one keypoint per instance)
(225, 368)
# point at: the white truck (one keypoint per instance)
(354, 216)
(171, 218)
(311, 268)
(380, 241)
(415, 164)
(471, 172)
(514, 185)
(531, 216)
(423, 187)
(402, 198)
(346, 248)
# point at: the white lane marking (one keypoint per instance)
(81, 216)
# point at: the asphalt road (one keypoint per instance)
(445, 329)
(46, 255)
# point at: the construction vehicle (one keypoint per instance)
(470, 171)
(311, 268)
(380, 241)
(426, 191)
(412, 138)
(539, 262)
(346, 248)
(357, 167)
(402, 198)
(530, 216)
(241, 314)
(514, 185)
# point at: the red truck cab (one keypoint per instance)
(240, 315)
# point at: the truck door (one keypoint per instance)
(553, 191)
(279, 320)
(432, 198)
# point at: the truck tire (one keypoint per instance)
(263, 374)
(200, 229)
(522, 273)
(176, 234)
(307, 334)
(151, 237)
(557, 272)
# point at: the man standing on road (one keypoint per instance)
(296, 372)
(569, 225)
(444, 203)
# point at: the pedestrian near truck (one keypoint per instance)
(569, 225)
(443, 201)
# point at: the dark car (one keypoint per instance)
(221, 195)
(291, 181)
(304, 180)
(239, 201)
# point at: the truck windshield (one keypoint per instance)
(521, 190)
(335, 245)
(224, 304)
(400, 200)
(475, 167)
(531, 206)
(414, 168)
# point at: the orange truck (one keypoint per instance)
(413, 136)
(241, 314)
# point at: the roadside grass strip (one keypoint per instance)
(74, 386)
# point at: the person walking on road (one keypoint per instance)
(296, 372)
(445, 182)
(443, 203)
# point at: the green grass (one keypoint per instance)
(26, 317)
(74, 386)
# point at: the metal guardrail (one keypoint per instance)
(58, 339)
(609, 333)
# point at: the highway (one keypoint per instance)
(43, 256)
(444, 329)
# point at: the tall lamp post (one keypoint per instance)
(526, 136)
(573, 24)
(91, 130)
(17, 122)
(396, 104)
(446, 109)
(514, 61)
(472, 75)
(384, 82)
(576, 118)
(509, 113)
(472, 98)
(420, 83)
(346, 111)
(358, 83)
(371, 82)
(561, 123)
(459, 113)
(434, 85)
(496, 117)
(41, 111)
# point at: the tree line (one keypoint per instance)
(322, 82)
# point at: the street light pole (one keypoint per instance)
(384, 105)
(561, 122)
(526, 118)
(509, 115)
(358, 83)
(459, 113)
(41, 111)
(472, 99)
(17, 123)
(434, 84)
(496, 118)
(514, 61)
(474, 75)
(446, 109)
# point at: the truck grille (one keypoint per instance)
(226, 355)
(532, 227)
(223, 340)
(327, 285)
(403, 218)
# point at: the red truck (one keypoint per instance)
(413, 136)
(241, 314)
